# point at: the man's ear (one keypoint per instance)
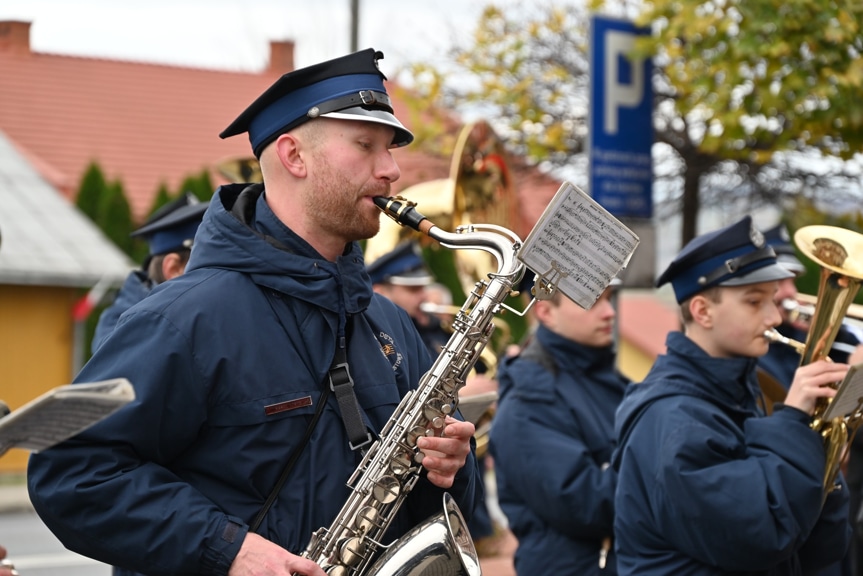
(172, 266)
(288, 149)
(542, 311)
(701, 309)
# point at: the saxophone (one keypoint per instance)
(392, 466)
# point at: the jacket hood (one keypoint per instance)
(562, 355)
(687, 370)
(240, 232)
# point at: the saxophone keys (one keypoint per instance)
(386, 489)
(401, 462)
(415, 433)
(366, 519)
(351, 551)
(434, 408)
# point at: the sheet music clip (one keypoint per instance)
(545, 285)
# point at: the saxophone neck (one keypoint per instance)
(500, 242)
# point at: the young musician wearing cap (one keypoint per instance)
(552, 439)
(232, 360)
(170, 233)
(706, 483)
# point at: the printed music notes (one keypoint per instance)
(576, 246)
(61, 413)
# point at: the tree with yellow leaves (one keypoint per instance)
(755, 102)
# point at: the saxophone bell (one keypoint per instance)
(440, 545)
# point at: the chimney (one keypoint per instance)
(281, 57)
(15, 37)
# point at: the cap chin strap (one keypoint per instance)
(370, 99)
(732, 265)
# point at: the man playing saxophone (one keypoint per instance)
(263, 374)
(708, 485)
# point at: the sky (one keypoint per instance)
(235, 34)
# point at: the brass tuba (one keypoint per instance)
(835, 250)
(240, 169)
(479, 189)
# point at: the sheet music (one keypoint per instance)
(61, 413)
(849, 394)
(579, 245)
(474, 406)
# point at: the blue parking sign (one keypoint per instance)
(621, 122)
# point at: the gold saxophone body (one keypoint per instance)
(832, 249)
(392, 466)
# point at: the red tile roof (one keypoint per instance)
(145, 124)
(149, 124)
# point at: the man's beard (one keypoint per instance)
(336, 208)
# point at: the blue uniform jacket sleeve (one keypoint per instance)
(539, 448)
(78, 486)
(737, 501)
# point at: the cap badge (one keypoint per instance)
(756, 236)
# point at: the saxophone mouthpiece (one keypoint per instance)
(404, 212)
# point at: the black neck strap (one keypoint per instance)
(342, 385)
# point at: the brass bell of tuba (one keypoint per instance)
(836, 251)
(240, 169)
(479, 189)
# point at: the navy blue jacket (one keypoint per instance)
(708, 486)
(551, 441)
(135, 288)
(228, 362)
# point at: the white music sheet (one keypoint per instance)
(578, 245)
(849, 395)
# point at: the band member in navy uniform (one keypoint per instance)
(552, 438)
(170, 233)
(241, 358)
(707, 484)
(402, 276)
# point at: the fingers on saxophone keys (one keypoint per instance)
(7, 567)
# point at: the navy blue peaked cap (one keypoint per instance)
(736, 255)
(779, 238)
(172, 227)
(349, 88)
(402, 266)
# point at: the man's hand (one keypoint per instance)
(812, 382)
(260, 557)
(445, 455)
(6, 567)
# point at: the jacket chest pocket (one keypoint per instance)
(295, 404)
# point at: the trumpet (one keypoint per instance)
(802, 307)
(803, 313)
(841, 275)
